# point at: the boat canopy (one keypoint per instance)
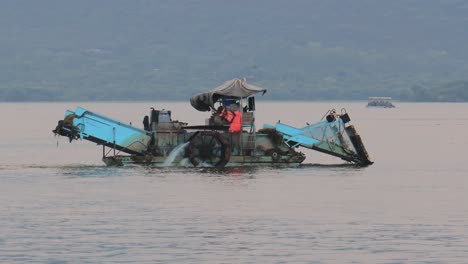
(233, 88)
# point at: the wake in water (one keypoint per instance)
(177, 151)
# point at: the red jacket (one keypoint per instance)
(234, 118)
(236, 123)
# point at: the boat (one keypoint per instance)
(380, 102)
(163, 141)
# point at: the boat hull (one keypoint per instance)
(234, 161)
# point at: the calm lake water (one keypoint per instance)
(60, 204)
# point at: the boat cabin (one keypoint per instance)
(236, 96)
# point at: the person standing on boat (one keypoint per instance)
(234, 118)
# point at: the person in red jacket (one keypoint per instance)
(235, 126)
(234, 118)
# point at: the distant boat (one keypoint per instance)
(380, 102)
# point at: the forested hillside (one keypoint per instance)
(413, 50)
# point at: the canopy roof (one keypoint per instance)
(232, 88)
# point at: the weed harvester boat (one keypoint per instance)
(166, 142)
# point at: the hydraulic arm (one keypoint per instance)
(84, 124)
(331, 136)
